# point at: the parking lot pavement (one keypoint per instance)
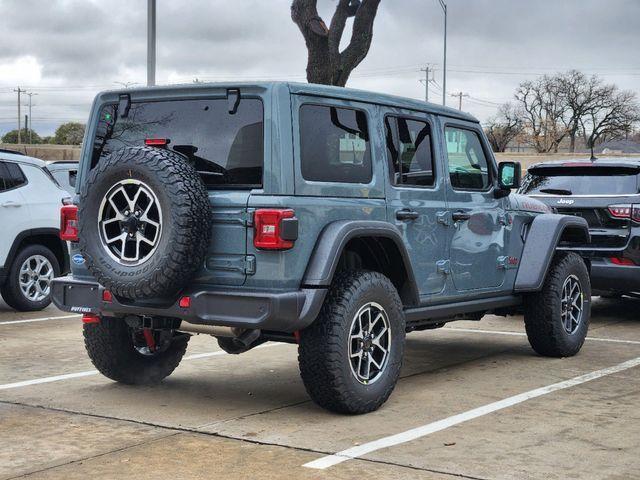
(248, 416)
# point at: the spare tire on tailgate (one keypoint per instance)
(144, 222)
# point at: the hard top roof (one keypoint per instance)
(310, 89)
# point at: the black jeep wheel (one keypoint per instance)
(557, 317)
(144, 221)
(350, 357)
(28, 284)
(121, 354)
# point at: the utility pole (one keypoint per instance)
(31, 94)
(444, 61)
(151, 43)
(26, 123)
(19, 91)
(459, 95)
(427, 69)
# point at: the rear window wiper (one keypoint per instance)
(556, 191)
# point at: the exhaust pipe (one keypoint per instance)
(215, 330)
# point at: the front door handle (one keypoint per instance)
(406, 214)
(10, 203)
(460, 216)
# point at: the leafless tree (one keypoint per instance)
(544, 112)
(327, 64)
(613, 115)
(504, 127)
(579, 92)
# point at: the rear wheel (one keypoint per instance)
(28, 286)
(557, 317)
(350, 357)
(133, 355)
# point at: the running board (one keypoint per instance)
(450, 310)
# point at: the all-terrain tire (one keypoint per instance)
(185, 220)
(110, 346)
(323, 353)
(543, 310)
(11, 292)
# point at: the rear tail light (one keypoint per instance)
(275, 229)
(69, 223)
(622, 261)
(107, 296)
(625, 211)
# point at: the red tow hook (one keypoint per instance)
(148, 337)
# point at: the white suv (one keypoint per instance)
(31, 252)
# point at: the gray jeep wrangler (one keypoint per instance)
(332, 218)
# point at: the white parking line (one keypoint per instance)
(520, 334)
(88, 373)
(415, 433)
(43, 319)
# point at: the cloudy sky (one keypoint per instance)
(64, 51)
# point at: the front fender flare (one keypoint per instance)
(335, 236)
(542, 240)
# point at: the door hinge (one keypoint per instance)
(504, 219)
(245, 264)
(444, 266)
(445, 218)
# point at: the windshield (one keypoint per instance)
(581, 181)
(226, 149)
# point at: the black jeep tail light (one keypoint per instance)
(620, 211)
(635, 213)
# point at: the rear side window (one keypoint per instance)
(409, 150)
(468, 166)
(581, 181)
(226, 149)
(11, 176)
(334, 145)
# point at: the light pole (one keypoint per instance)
(31, 94)
(444, 61)
(151, 43)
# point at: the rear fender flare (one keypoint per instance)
(543, 237)
(332, 241)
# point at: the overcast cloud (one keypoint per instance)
(67, 50)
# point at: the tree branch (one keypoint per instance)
(360, 43)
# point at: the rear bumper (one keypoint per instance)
(252, 309)
(608, 276)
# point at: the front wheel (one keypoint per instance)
(123, 354)
(350, 357)
(557, 317)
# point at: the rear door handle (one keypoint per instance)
(406, 214)
(10, 203)
(460, 216)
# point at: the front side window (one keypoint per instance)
(468, 165)
(225, 148)
(334, 145)
(409, 150)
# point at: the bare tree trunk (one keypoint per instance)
(326, 63)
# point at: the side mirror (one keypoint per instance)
(509, 175)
